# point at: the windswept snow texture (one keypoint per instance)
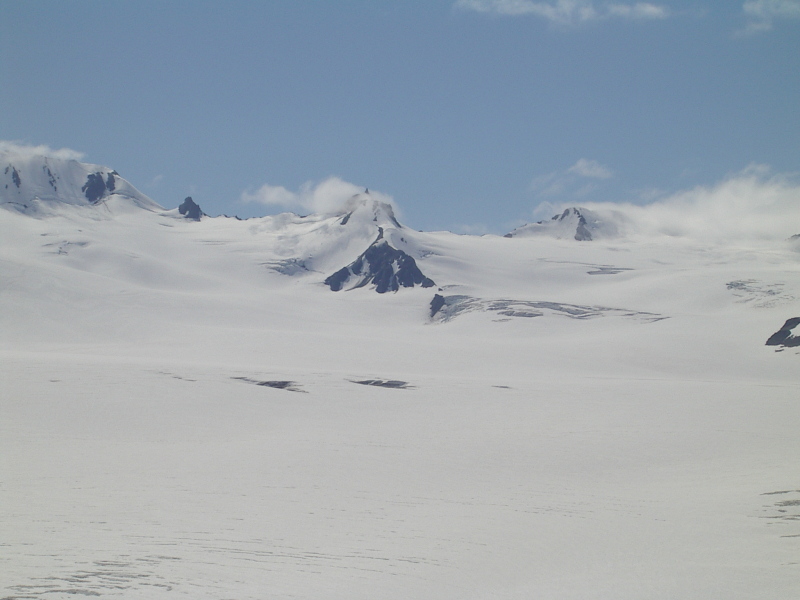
(446, 308)
(386, 268)
(580, 224)
(526, 429)
(381, 212)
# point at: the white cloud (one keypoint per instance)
(27, 150)
(640, 10)
(156, 181)
(327, 196)
(272, 195)
(753, 204)
(568, 12)
(591, 169)
(762, 13)
(577, 181)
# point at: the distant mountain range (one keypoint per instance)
(360, 246)
(39, 186)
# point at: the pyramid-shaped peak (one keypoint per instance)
(577, 223)
(364, 206)
(381, 265)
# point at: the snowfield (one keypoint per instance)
(187, 410)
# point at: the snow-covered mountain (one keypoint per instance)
(34, 184)
(382, 265)
(361, 245)
(580, 224)
(37, 185)
(188, 409)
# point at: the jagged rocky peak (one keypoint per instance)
(580, 224)
(191, 210)
(381, 265)
(582, 231)
(367, 207)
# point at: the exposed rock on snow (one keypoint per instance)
(578, 223)
(190, 209)
(557, 421)
(289, 386)
(97, 187)
(436, 304)
(784, 336)
(386, 383)
(446, 308)
(760, 293)
(382, 265)
(31, 184)
(289, 266)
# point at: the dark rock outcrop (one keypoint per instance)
(582, 233)
(784, 337)
(15, 176)
(382, 265)
(190, 209)
(385, 383)
(436, 304)
(96, 188)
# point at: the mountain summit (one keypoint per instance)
(579, 224)
(33, 184)
(363, 207)
(382, 265)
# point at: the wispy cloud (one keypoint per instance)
(156, 181)
(568, 12)
(29, 150)
(761, 14)
(577, 181)
(753, 204)
(590, 169)
(325, 196)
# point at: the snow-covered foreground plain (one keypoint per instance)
(636, 440)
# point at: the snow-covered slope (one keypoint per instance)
(361, 245)
(187, 409)
(34, 184)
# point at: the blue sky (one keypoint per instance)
(469, 113)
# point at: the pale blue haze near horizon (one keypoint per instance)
(469, 114)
